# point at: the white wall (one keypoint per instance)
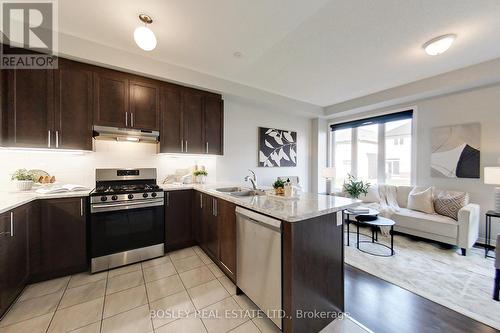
(80, 168)
(241, 121)
(478, 105)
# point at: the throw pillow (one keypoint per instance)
(449, 203)
(421, 200)
(371, 196)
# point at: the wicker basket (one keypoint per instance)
(24, 185)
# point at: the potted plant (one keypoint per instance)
(24, 179)
(201, 176)
(355, 187)
(279, 187)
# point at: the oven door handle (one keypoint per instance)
(125, 206)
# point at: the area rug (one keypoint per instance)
(436, 272)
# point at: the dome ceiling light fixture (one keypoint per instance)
(143, 36)
(439, 44)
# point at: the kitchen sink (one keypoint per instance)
(240, 192)
(229, 189)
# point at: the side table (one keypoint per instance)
(489, 215)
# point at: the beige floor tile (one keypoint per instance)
(82, 294)
(164, 287)
(181, 254)
(248, 327)
(228, 285)
(123, 270)
(77, 316)
(136, 320)
(196, 276)
(188, 263)
(159, 271)
(265, 325)
(216, 270)
(229, 316)
(44, 288)
(207, 293)
(32, 308)
(185, 325)
(84, 278)
(92, 328)
(124, 300)
(197, 249)
(124, 281)
(156, 261)
(206, 259)
(33, 325)
(246, 304)
(170, 308)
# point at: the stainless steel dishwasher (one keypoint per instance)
(258, 264)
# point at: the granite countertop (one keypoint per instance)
(309, 205)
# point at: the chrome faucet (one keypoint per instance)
(252, 179)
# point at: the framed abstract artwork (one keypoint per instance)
(277, 148)
(456, 151)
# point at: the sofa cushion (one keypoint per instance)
(421, 200)
(371, 196)
(430, 223)
(448, 203)
(402, 195)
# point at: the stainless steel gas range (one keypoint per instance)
(127, 218)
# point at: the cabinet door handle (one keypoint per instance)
(57, 139)
(11, 224)
(81, 207)
(186, 146)
(126, 119)
(214, 207)
(182, 146)
(132, 119)
(207, 147)
(201, 200)
(168, 199)
(48, 140)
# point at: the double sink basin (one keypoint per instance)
(240, 191)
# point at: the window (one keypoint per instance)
(378, 150)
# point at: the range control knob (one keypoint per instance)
(144, 195)
(154, 194)
(114, 197)
(130, 196)
(104, 198)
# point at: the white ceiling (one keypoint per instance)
(317, 51)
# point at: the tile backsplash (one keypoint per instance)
(79, 168)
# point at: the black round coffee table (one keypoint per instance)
(371, 212)
(375, 226)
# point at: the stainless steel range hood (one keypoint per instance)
(125, 134)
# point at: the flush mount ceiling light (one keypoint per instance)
(439, 44)
(143, 36)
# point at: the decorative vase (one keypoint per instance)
(279, 191)
(24, 185)
(201, 179)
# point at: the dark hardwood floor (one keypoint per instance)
(386, 308)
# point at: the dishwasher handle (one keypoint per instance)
(263, 220)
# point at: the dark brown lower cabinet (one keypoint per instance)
(178, 219)
(61, 238)
(14, 267)
(226, 221)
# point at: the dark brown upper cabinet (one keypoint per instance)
(111, 99)
(73, 105)
(144, 105)
(171, 140)
(192, 114)
(27, 108)
(214, 125)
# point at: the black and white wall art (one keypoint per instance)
(456, 151)
(277, 148)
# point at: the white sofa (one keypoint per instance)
(462, 233)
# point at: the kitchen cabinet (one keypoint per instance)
(73, 106)
(226, 221)
(192, 114)
(111, 99)
(48, 108)
(214, 124)
(14, 265)
(27, 108)
(178, 219)
(206, 225)
(144, 104)
(62, 237)
(171, 139)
